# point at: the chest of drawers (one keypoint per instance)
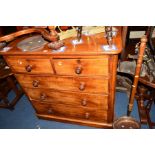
(76, 86)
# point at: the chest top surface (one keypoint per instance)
(90, 45)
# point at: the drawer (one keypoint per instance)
(69, 98)
(28, 65)
(81, 84)
(81, 66)
(64, 111)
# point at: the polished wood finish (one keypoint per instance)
(76, 85)
(90, 85)
(124, 40)
(30, 65)
(91, 46)
(71, 98)
(81, 66)
(124, 35)
(137, 73)
(66, 111)
(143, 91)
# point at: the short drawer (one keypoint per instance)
(64, 111)
(80, 84)
(29, 65)
(81, 66)
(69, 98)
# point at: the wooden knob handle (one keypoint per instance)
(35, 83)
(87, 115)
(84, 102)
(78, 70)
(43, 96)
(50, 111)
(28, 68)
(82, 86)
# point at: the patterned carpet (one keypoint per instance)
(23, 117)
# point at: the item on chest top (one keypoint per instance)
(92, 30)
(67, 34)
(86, 30)
(56, 45)
(51, 36)
(109, 34)
(78, 39)
(32, 43)
(79, 33)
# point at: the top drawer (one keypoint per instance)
(30, 65)
(81, 66)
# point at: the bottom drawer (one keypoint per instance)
(66, 111)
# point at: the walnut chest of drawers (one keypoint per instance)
(76, 85)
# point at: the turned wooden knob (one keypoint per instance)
(87, 115)
(78, 70)
(35, 83)
(84, 102)
(82, 86)
(50, 111)
(28, 68)
(43, 96)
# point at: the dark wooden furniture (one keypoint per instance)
(76, 85)
(130, 36)
(142, 90)
(8, 83)
(137, 72)
(134, 33)
(145, 99)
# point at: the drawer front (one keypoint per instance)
(81, 66)
(69, 98)
(27, 65)
(64, 111)
(80, 84)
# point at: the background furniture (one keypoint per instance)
(7, 84)
(130, 36)
(145, 98)
(143, 87)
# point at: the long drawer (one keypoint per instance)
(80, 84)
(69, 98)
(66, 111)
(81, 66)
(30, 65)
